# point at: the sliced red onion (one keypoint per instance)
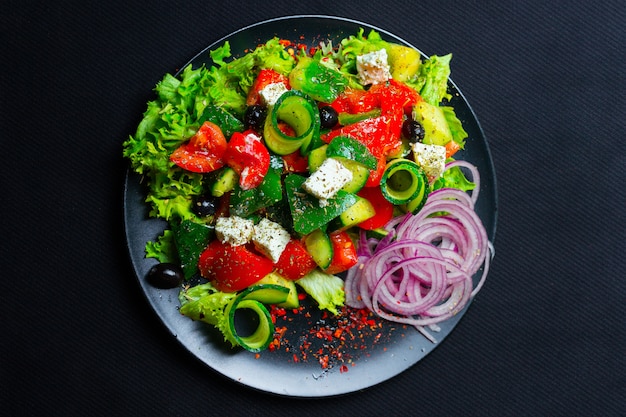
(421, 273)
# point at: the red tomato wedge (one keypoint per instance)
(249, 157)
(344, 253)
(203, 152)
(266, 77)
(232, 268)
(295, 262)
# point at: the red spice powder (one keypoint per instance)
(309, 334)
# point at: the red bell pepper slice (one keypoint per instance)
(232, 268)
(394, 95)
(344, 253)
(382, 207)
(295, 262)
(356, 101)
(296, 162)
(249, 157)
(265, 77)
(451, 148)
(380, 134)
(374, 133)
(203, 152)
(375, 175)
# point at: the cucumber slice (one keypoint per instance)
(317, 157)
(355, 214)
(274, 278)
(260, 339)
(360, 174)
(320, 247)
(402, 181)
(265, 293)
(253, 298)
(418, 202)
(225, 182)
(299, 112)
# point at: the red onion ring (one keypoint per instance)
(421, 273)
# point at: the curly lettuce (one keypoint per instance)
(206, 304)
(175, 115)
(432, 80)
(163, 248)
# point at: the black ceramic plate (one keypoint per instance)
(373, 356)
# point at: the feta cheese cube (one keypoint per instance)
(234, 230)
(327, 180)
(373, 67)
(271, 93)
(432, 159)
(271, 239)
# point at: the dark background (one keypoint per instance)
(545, 336)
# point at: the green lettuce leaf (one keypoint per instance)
(456, 127)
(453, 178)
(163, 249)
(206, 304)
(432, 81)
(324, 288)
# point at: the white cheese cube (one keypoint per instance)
(270, 238)
(373, 67)
(327, 180)
(432, 159)
(234, 230)
(271, 93)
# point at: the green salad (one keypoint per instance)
(271, 168)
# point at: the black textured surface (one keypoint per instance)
(546, 334)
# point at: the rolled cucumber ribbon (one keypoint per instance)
(404, 183)
(298, 111)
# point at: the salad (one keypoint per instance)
(326, 172)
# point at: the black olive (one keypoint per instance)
(255, 117)
(165, 275)
(413, 130)
(328, 117)
(205, 206)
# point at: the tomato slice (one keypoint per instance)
(265, 77)
(232, 268)
(382, 206)
(344, 253)
(249, 157)
(203, 152)
(295, 262)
